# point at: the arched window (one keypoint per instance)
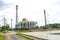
(24, 24)
(21, 24)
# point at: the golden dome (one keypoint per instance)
(24, 19)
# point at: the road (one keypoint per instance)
(46, 34)
(11, 36)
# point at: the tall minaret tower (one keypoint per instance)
(16, 15)
(45, 18)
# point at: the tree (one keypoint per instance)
(2, 28)
(5, 28)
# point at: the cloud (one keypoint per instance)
(3, 5)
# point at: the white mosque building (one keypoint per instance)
(26, 24)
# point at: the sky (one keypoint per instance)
(31, 10)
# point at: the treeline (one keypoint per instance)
(55, 25)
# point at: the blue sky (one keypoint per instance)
(32, 10)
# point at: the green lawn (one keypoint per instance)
(1, 37)
(25, 36)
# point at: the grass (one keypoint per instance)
(25, 36)
(1, 37)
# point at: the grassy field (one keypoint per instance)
(25, 36)
(1, 37)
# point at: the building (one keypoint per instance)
(26, 24)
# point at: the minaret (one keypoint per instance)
(16, 15)
(45, 18)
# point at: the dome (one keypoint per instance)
(24, 19)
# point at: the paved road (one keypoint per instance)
(11, 36)
(46, 34)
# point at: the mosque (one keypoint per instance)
(26, 24)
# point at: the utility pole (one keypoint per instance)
(45, 18)
(11, 23)
(4, 19)
(4, 22)
(16, 16)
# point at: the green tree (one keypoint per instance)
(5, 28)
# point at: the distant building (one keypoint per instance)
(26, 24)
